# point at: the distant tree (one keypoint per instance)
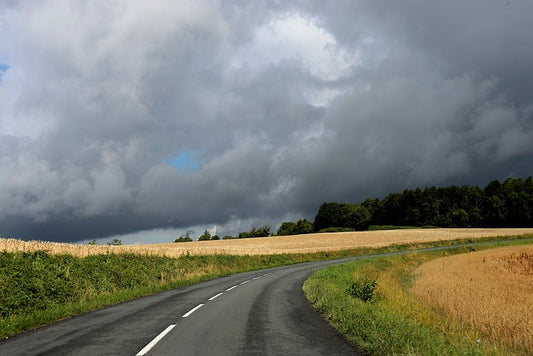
(342, 215)
(186, 238)
(459, 217)
(115, 242)
(331, 214)
(373, 205)
(205, 236)
(215, 237)
(183, 239)
(495, 211)
(228, 237)
(262, 231)
(303, 226)
(286, 228)
(359, 218)
(93, 242)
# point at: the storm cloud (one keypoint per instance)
(119, 117)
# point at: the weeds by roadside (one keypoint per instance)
(394, 322)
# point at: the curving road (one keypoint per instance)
(254, 313)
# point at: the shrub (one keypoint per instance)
(363, 289)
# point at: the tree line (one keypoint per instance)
(499, 204)
(263, 231)
(505, 204)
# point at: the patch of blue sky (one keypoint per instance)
(186, 161)
(3, 69)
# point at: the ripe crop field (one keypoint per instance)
(489, 290)
(269, 245)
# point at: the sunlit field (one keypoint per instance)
(490, 290)
(268, 245)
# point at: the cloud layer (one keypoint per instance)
(123, 116)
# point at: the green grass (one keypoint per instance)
(38, 288)
(392, 322)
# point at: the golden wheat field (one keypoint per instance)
(268, 245)
(491, 291)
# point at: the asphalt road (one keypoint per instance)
(254, 313)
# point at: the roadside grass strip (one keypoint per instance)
(391, 320)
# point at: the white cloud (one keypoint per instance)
(294, 38)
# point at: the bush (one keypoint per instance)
(363, 289)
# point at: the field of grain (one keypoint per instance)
(491, 291)
(269, 245)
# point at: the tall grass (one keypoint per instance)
(491, 291)
(394, 321)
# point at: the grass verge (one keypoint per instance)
(391, 321)
(37, 288)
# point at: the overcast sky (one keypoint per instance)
(148, 118)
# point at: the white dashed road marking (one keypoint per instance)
(158, 338)
(152, 343)
(215, 296)
(192, 310)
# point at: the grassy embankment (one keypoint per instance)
(38, 287)
(396, 321)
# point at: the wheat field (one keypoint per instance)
(268, 245)
(491, 291)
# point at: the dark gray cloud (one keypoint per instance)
(281, 106)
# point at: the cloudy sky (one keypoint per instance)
(143, 119)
